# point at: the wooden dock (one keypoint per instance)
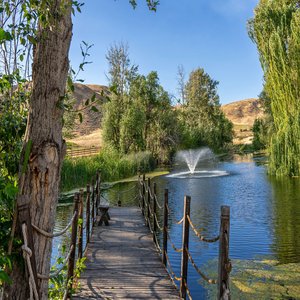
(123, 263)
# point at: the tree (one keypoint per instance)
(181, 84)
(40, 175)
(275, 29)
(202, 120)
(121, 72)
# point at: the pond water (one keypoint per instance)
(265, 214)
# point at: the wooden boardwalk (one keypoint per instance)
(123, 263)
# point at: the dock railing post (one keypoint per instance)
(96, 193)
(71, 262)
(165, 228)
(144, 195)
(99, 190)
(93, 202)
(80, 227)
(185, 247)
(154, 212)
(224, 261)
(148, 204)
(88, 212)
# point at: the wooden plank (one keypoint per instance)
(123, 263)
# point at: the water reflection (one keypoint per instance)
(286, 219)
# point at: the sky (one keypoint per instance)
(211, 34)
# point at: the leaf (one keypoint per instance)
(80, 117)
(4, 277)
(70, 84)
(4, 36)
(87, 102)
(93, 98)
(31, 39)
(95, 109)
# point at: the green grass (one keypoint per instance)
(77, 172)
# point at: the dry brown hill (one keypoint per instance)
(91, 119)
(243, 114)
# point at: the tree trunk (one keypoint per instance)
(44, 130)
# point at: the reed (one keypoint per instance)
(77, 172)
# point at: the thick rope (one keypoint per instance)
(52, 235)
(169, 213)
(173, 275)
(157, 223)
(172, 244)
(201, 237)
(27, 253)
(188, 291)
(157, 203)
(210, 281)
(54, 274)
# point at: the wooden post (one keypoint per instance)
(185, 247)
(71, 262)
(99, 190)
(165, 228)
(80, 229)
(149, 203)
(88, 215)
(144, 195)
(96, 192)
(23, 203)
(154, 211)
(93, 202)
(224, 261)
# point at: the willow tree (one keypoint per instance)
(44, 147)
(275, 29)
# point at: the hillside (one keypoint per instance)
(243, 114)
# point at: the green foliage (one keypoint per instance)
(142, 119)
(276, 31)
(259, 135)
(112, 164)
(57, 284)
(202, 121)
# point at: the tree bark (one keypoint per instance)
(44, 130)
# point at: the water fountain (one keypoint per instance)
(191, 158)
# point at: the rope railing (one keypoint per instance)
(199, 235)
(148, 202)
(172, 273)
(179, 250)
(208, 280)
(58, 271)
(27, 229)
(52, 235)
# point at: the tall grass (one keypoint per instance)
(77, 172)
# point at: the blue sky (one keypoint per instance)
(194, 33)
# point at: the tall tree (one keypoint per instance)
(40, 182)
(181, 84)
(40, 175)
(203, 121)
(275, 29)
(121, 72)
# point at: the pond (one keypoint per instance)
(265, 215)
